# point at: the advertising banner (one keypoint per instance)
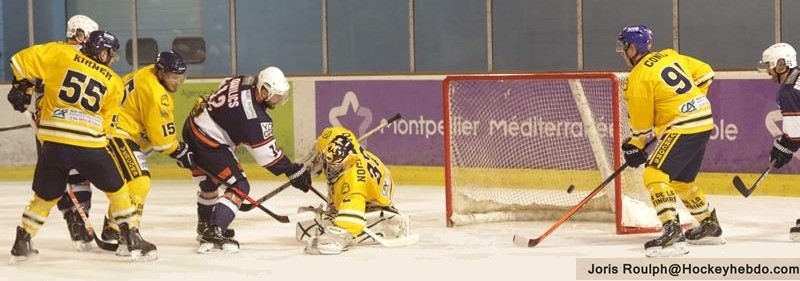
(745, 117)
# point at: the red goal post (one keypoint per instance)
(513, 144)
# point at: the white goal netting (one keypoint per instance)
(514, 144)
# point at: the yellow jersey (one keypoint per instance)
(80, 97)
(666, 91)
(147, 114)
(362, 180)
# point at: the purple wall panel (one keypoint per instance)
(740, 143)
(416, 139)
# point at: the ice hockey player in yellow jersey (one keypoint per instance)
(78, 29)
(146, 123)
(360, 190)
(81, 98)
(666, 97)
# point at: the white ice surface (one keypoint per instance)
(755, 227)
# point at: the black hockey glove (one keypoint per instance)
(782, 152)
(183, 156)
(300, 177)
(18, 96)
(634, 156)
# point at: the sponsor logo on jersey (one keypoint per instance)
(60, 113)
(164, 100)
(694, 104)
(266, 129)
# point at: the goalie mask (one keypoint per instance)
(333, 147)
(337, 150)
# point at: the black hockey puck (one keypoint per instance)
(570, 188)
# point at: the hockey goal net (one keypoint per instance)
(514, 144)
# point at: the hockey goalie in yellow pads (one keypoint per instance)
(360, 190)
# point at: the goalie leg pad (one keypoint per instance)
(314, 227)
(333, 242)
(386, 222)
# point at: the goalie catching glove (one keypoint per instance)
(634, 156)
(782, 152)
(183, 156)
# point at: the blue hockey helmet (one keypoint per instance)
(98, 41)
(170, 62)
(637, 35)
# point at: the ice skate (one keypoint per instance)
(707, 233)
(140, 250)
(672, 243)
(213, 239)
(22, 249)
(77, 231)
(202, 225)
(794, 232)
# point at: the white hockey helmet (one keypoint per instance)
(770, 56)
(275, 82)
(81, 22)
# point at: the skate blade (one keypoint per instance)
(709, 240)
(211, 248)
(138, 256)
(21, 259)
(674, 250)
(122, 251)
(82, 246)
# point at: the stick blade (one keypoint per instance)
(525, 242)
(741, 187)
(404, 241)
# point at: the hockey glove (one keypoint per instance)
(782, 152)
(300, 177)
(634, 156)
(18, 96)
(183, 156)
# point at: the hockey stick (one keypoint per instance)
(407, 240)
(15, 127)
(281, 218)
(245, 207)
(742, 188)
(522, 241)
(88, 224)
